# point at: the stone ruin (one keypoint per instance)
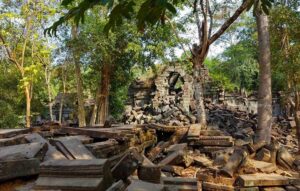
(166, 98)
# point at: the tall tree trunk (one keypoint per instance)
(297, 120)
(81, 111)
(48, 79)
(28, 105)
(264, 110)
(199, 95)
(104, 93)
(61, 105)
(95, 108)
(297, 116)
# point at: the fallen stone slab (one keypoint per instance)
(234, 162)
(176, 147)
(149, 173)
(16, 140)
(262, 179)
(194, 131)
(82, 138)
(174, 158)
(52, 153)
(284, 158)
(172, 169)
(127, 165)
(216, 187)
(221, 143)
(117, 186)
(264, 167)
(76, 168)
(177, 184)
(202, 161)
(263, 155)
(272, 189)
(72, 174)
(291, 188)
(69, 184)
(73, 149)
(96, 133)
(18, 168)
(138, 185)
(248, 189)
(204, 176)
(174, 139)
(7, 133)
(106, 149)
(24, 151)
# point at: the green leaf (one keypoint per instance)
(171, 8)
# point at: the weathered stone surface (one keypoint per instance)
(291, 188)
(7, 133)
(194, 131)
(19, 139)
(284, 158)
(234, 162)
(73, 168)
(126, 165)
(216, 187)
(52, 153)
(172, 169)
(204, 176)
(261, 179)
(202, 161)
(68, 184)
(82, 138)
(248, 189)
(176, 147)
(27, 151)
(18, 168)
(149, 173)
(74, 175)
(73, 149)
(273, 189)
(173, 159)
(138, 185)
(263, 155)
(117, 186)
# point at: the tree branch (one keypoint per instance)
(9, 53)
(228, 22)
(177, 36)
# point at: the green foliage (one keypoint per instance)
(285, 46)
(145, 12)
(237, 66)
(261, 6)
(10, 101)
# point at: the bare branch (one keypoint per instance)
(229, 21)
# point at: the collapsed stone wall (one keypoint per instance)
(164, 99)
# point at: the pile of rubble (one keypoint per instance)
(145, 157)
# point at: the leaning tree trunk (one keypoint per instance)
(264, 110)
(104, 94)
(81, 111)
(28, 105)
(95, 108)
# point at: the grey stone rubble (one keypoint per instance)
(153, 156)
